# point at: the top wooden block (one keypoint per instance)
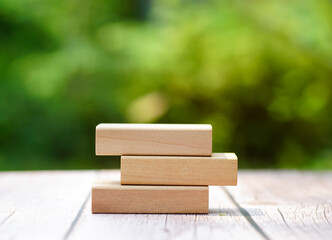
(154, 139)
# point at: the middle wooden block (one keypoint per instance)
(219, 169)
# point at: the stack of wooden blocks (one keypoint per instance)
(165, 168)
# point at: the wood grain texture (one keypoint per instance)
(292, 204)
(41, 205)
(224, 221)
(112, 197)
(264, 205)
(154, 139)
(219, 169)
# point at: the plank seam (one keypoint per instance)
(166, 229)
(73, 224)
(11, 214)
(326, 217)
(283, 219)
(246, 214)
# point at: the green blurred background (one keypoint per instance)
(258, 71)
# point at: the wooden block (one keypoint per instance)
(111, 197)
(154, 139)
(219, 169)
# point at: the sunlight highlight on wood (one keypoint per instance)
(154, 139)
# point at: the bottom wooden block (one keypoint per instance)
(112, 197)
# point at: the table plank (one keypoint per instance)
(223, 221)
(118, 226)
(264, 205)
(41, 205)
(295, 205)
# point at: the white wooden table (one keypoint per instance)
(264, 205)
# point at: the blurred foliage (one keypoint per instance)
(260, 72)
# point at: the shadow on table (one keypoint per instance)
(236, 212)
